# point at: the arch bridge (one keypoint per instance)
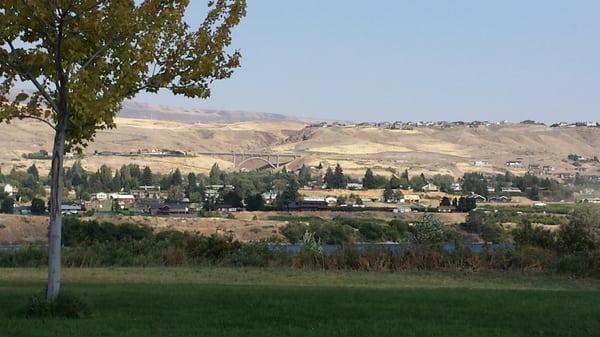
(239, 159)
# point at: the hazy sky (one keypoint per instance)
(413, 60)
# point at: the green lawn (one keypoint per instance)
(283, 302)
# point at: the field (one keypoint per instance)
(285, 302)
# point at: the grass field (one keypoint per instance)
(285, 302)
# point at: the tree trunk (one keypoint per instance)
(56, 197)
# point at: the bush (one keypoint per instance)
(29, 256)
(582, 233)
(65, 305)
(429, 230)
(528, 235)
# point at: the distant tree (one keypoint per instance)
(38, 207)
(7, 206)
(445, 202)
(368, 180)
(443, 181)
(176, 178)
(175, 193)
(289, 195)
(475, 183)
(254, 202)
(388, 194)
(233, 198)
(395, 182)
(339, 179)
(320, 166)
(147, 177)
(192, 184)
(214, 176)
(304, 175)
(33, 171)
(418, 182)
(329, 178)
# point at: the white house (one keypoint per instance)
(8, 189)
(511, 190)
(431, 188)
(354, 186)
(101, 196)
(456, 187)
(402, 209)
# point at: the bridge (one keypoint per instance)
(239, 159)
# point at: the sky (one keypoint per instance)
(386, 60)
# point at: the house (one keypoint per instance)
(431, 188)
(269, 197)
(149, 192)
(534, 169)
(539, 204)
(8, 189)
(354, 186)
(590, 200)
(309, 205)
(456, 187)
(547, 170)
(477, 197)
(122, 201)
(402, 209)
(481, 163)
(411, 198)
(70, 209)
(331, 201)
(100, 196)
(176, 208)
(226, 208)
(511, 190)
(491, 189)
(515, 163)
(500, 198)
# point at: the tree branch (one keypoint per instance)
(38, 119)
(33, 80)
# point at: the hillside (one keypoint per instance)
(138, 110)
(429, 150)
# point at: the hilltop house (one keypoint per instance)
(515, 163)
(481, 163)
(431, 188)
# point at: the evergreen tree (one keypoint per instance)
(34, 172)
(192, 184)
(147, 178)
(339, 179)
(254, 202)
(368, 180)
(176, 178)
(329, 178)
(214, 176)
(304, 175)
(388, 193)
(395, 182)
(38, 207)
(289, 195)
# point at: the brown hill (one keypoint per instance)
(429, 150)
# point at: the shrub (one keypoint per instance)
(428, 230)
(582, 233)
(66, 305)
(528, 235)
